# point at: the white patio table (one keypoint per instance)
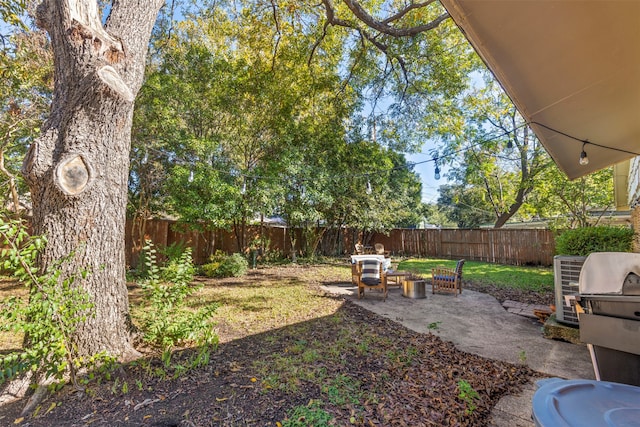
(386, 262)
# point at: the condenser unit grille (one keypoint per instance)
(566, 273)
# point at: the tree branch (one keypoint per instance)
(382, 26)
(278, 34)
(406, 10)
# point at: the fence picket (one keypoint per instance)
(503, 246)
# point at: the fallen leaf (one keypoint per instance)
(18, 420)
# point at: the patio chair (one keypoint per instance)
(370, 275)
(380, 250)
(446, 279)
(359, 248)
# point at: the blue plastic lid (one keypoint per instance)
(579, 403)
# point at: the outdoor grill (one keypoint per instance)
(609, 296)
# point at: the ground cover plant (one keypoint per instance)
(288, 354)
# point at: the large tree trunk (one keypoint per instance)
(77, 170)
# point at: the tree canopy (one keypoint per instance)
(238, 118)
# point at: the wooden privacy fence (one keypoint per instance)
(502, 246)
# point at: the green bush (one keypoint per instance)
(167, 322)
(583, 241)
(223, 265)
(57, 305)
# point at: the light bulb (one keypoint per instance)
(437, 175)
(191, 176)
(584, 160)
(369, 189)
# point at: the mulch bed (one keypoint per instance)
(503, 294)
(422, 391)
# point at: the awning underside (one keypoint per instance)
(571, 66)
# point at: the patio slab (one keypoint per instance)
(478, 324)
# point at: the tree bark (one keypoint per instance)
(78, 169)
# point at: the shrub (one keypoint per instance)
(56, 306)
(583, 241)
(222, 265)
(167, 322)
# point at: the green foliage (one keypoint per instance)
(167, 322)
(468, 395)
(571, 203)
(174, 251)
(57, 304)
(283, 131)
(177, 266)
(343, 390)
(583, 241)
(310, 415)
(11, 10)
(434, 326)
(522, 356)
(26, 85)
(223, 265)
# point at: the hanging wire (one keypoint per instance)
(584, 141)
(435, 160)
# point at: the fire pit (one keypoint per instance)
(413, 286)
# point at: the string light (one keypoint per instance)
(243, 190)
(369, 189)
(584, 141)
(584, 160)
(509, 144)
(437, 171)
(191, 176)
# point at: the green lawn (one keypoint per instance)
(539, 279)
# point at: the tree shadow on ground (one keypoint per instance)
(361, 368)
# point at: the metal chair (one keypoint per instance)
(446, 279)
(370, 275)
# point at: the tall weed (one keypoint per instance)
(167, 322)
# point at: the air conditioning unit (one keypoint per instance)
(566, 273)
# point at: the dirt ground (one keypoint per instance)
(367, 371)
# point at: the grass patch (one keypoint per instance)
(539, 279)
(321, 361)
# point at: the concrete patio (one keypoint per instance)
(477, 323)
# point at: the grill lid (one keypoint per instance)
(609, 273)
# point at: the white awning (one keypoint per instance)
(571, 66)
